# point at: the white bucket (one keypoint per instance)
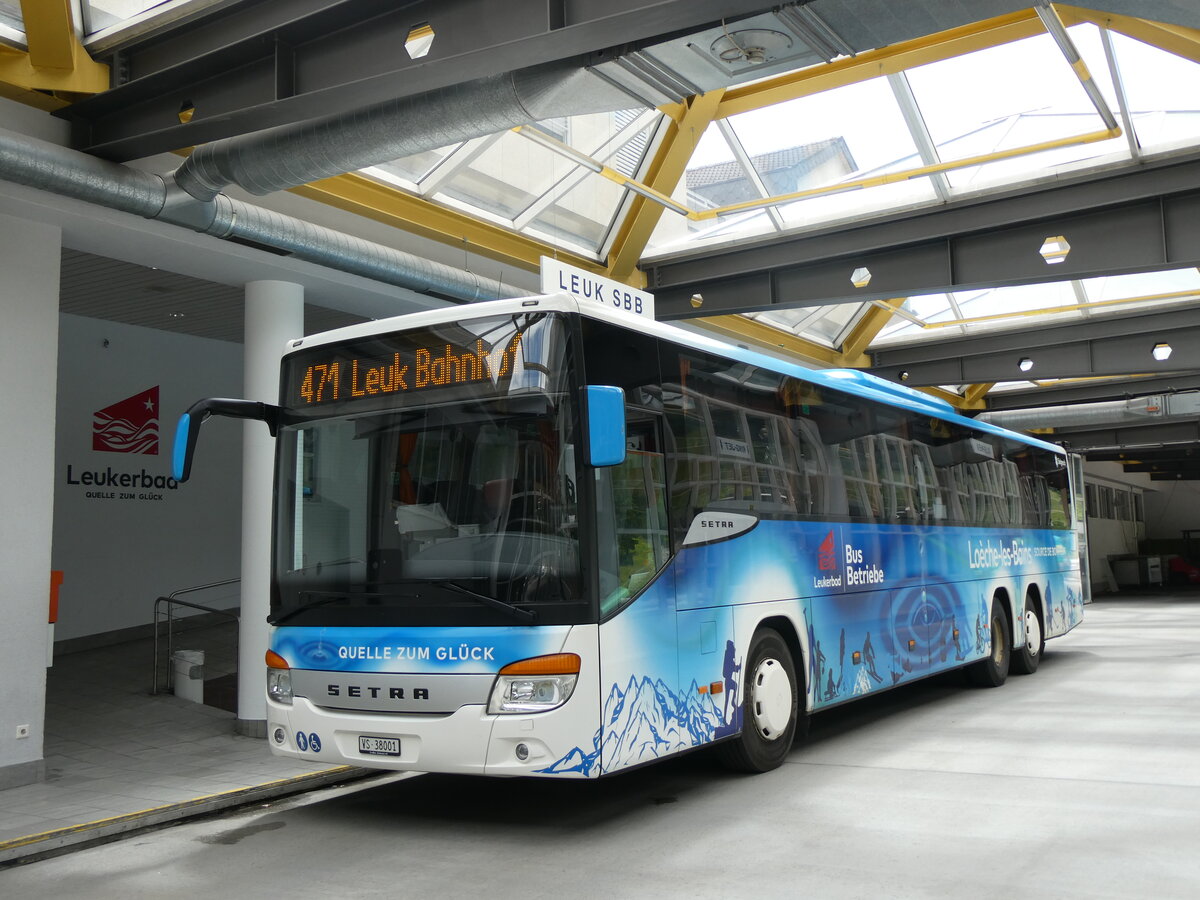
(189, 674)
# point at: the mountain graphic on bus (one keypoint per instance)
(130, 426)
(647, 721)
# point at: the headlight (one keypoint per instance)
(535, 685)
(279, 679)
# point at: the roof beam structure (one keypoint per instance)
(687, 126)
(1132, 220)
(346, 54)
(1098, 346)
(55, 62)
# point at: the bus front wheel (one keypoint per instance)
(769, 708)
(992, 670)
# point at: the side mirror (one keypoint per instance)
(188, 428)
(605, 425)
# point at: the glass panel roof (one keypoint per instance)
(531, 179)
(1001, 102)
(975, 312)
(101, 14)
(10, 15)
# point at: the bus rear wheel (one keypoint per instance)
(992, 671)
(1029, 654)
(769, 708)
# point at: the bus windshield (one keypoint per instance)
(459, 510)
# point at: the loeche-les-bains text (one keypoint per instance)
(536, 537)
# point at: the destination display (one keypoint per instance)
(385, 368)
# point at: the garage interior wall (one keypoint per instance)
(29, 260)
(124, 533)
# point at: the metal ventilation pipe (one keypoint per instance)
(69, 173)
(291, 155)
(1110, 412)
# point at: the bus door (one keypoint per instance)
(638, 643)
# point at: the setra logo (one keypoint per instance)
(130, 426)
(827, 555)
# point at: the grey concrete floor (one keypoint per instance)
(1082, 781)
(117, 756)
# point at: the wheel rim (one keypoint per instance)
(997, 640)
(772, 706)
(1033, 633)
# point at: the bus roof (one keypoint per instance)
(850, 381)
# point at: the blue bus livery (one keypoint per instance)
(534, 537)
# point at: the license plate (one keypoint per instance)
(379, 746)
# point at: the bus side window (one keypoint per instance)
(632, 518)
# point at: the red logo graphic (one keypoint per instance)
(827, 555)
(130, 426)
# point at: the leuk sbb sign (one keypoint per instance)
(559, 278)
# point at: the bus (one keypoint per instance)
(538, 537)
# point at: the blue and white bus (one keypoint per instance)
(536, 537)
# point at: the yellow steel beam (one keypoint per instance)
(873, 321)
(885, 61)
(740, 330)
(958, 401)
(1175, 39)
(56, 60)
(366, 197)
(669, 164)
(974, 394)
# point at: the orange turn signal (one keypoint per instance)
(553, 664)
(275, 661)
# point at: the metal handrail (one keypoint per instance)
(171, 601)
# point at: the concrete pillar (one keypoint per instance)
(30, 258)
(274, 316)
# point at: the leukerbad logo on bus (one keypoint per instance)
(827, 555)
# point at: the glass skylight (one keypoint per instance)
(11, 17)
(1001, 103)
(994, 309)
(532, 179)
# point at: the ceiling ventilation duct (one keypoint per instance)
(787, 38)
(1083, 415)
(291, 155)
(69, 173)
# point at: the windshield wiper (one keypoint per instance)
(274, 619)
(525, 615)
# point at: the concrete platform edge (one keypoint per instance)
(87, 834)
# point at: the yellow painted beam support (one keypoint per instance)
(956, 400)
(873, 321)
(973, 396)
(56, 61)
(383, 203)
(885, 61)
(668, 167)
(740, 330)
(1175, 39)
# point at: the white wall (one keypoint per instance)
(1172, 508)
(120, 547)
(29, 260)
